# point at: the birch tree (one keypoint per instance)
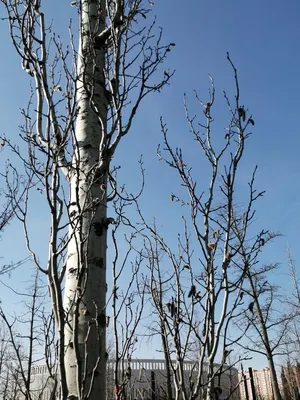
(83, 102)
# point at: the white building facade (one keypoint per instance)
(147, 380)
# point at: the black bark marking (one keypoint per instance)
(72, 271)
(97, 261)
(98, 228)
(102, 320)
(100, 264)
(99, 43)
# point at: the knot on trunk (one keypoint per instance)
(99, 226)
(101, 319)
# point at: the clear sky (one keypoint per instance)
(263, 40)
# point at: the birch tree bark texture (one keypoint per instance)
(85, 285)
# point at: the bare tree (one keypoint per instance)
(197, 286)
(7, 211)
(127, 304)
(5, 357)
(292, 300)
(268, 323)
(101, 84)
(23, 344)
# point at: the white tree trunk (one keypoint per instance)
(211, 332)
(85, 288)
(266, 341)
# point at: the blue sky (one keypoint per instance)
(263, 39)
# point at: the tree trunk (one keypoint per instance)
(274, 380)
(266, 341)
(85, 288)
(167, 361)
(211, 333)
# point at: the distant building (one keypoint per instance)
(147, 376)
(262, 384)
(290, 377)
(41, 383)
